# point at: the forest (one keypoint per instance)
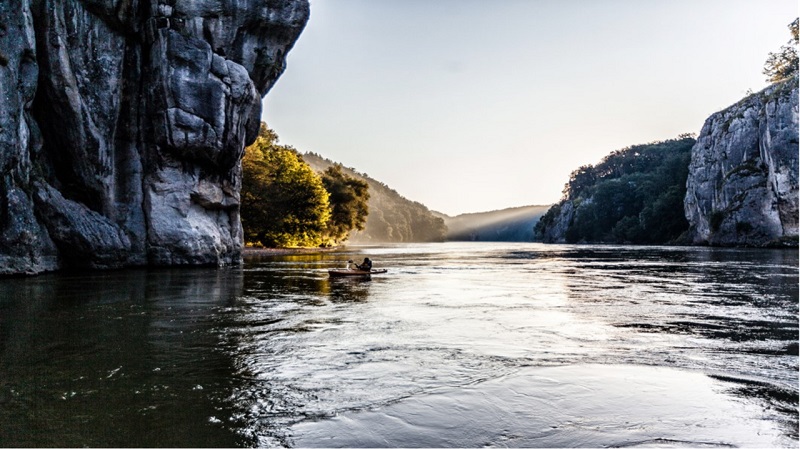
(634, 195)
(293, 200)
(392, 218)
(514, 224)
(285, 203)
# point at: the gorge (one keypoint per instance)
(123, 125)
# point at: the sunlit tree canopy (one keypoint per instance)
(284, 203)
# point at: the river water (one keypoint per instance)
(459, 344)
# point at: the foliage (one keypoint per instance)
(392, 218)
(784, 63)
(548, 220)
(634, 195)
(743, 227)
(284, 203)
(348, 198)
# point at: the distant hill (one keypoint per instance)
(392, 218)
(507, 225)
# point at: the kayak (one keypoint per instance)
(346, 272)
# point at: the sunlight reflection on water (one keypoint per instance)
(507, 340)
(447, 316)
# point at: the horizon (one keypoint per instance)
(486, 120)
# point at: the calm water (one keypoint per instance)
(458, 345)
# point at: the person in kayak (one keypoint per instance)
(366, 265)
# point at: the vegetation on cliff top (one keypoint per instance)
(284, 203)
(784, 63)
(634, 195)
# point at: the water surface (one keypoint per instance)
(460, 344)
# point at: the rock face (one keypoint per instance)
(742, 185)
(555, 231)
(123, 125)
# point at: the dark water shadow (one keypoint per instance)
(123, 358)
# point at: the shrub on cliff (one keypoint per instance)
(283, 202)
(784, 63)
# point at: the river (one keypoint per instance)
(459, 344)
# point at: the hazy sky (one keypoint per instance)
(475, 105)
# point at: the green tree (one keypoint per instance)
(348, 198)
(283, 202)
(392, 218)
(783, 64)
(634, 195)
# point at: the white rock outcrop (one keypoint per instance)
(742, 187)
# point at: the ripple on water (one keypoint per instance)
(569, 406)
(459, 344)
(443, 324)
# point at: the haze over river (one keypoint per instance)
(459, 344)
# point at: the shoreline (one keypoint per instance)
(284, 251)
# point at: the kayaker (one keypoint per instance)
(366, 265)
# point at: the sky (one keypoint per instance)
(477, 105)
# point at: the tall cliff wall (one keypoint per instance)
(123, 125)
(742, 184)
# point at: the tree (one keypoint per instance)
(348, 198)
(579, 180)
(783, 64)
(391, 218)
(283, 203)
(634, 195)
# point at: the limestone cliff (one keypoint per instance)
(123, 123)
(553, 226)
(743, 177)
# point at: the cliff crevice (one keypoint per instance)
(124, 126)
(743, 176)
